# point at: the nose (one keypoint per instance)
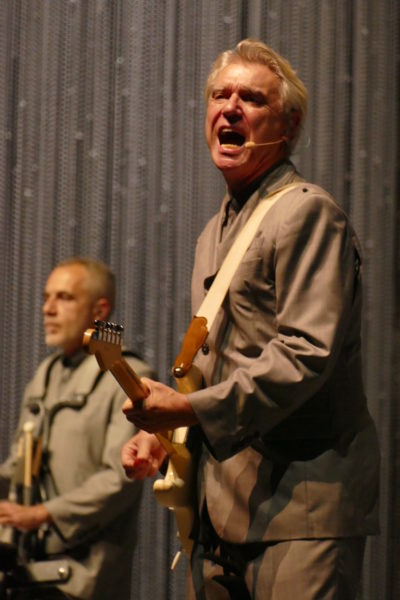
(49, 306)
(232, 107)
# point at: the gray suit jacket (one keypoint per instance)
(290, 450)
(93, 505)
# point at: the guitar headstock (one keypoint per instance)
(105, 342)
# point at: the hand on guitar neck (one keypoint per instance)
(150, 405)
(162, 409)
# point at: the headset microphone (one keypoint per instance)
(255, 145)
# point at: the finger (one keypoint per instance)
(127, 405)
(140, 469)
(135, 412)
(133, 473)
(154, 468)
(139, 405)
(147, 384)
(128, 459)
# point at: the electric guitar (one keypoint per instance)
(176, 491)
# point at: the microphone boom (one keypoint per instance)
(255, 145)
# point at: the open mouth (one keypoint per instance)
(230, 139)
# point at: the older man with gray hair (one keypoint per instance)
(288, 460)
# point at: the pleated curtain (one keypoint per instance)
(102, 154)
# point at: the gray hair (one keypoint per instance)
(101, 280)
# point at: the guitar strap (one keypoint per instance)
(217, 292)
(202, 322)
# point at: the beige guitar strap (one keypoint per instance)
(220, 285)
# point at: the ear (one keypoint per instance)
(293, 122)
(101, 309)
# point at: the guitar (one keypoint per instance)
(15, 544)
(176, 490)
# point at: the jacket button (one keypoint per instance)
(205, 348)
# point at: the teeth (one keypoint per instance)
(229, 145)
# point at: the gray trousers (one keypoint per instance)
(307, 569)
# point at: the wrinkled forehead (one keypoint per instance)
(248, 80)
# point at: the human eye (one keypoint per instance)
(254, 98)
(66, 296)
(219, 94)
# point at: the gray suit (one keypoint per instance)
(290, 450)
(93, 505)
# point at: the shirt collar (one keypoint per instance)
(73, 361)
(237, 202)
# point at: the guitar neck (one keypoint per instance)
(128, 380)
(133, 388)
